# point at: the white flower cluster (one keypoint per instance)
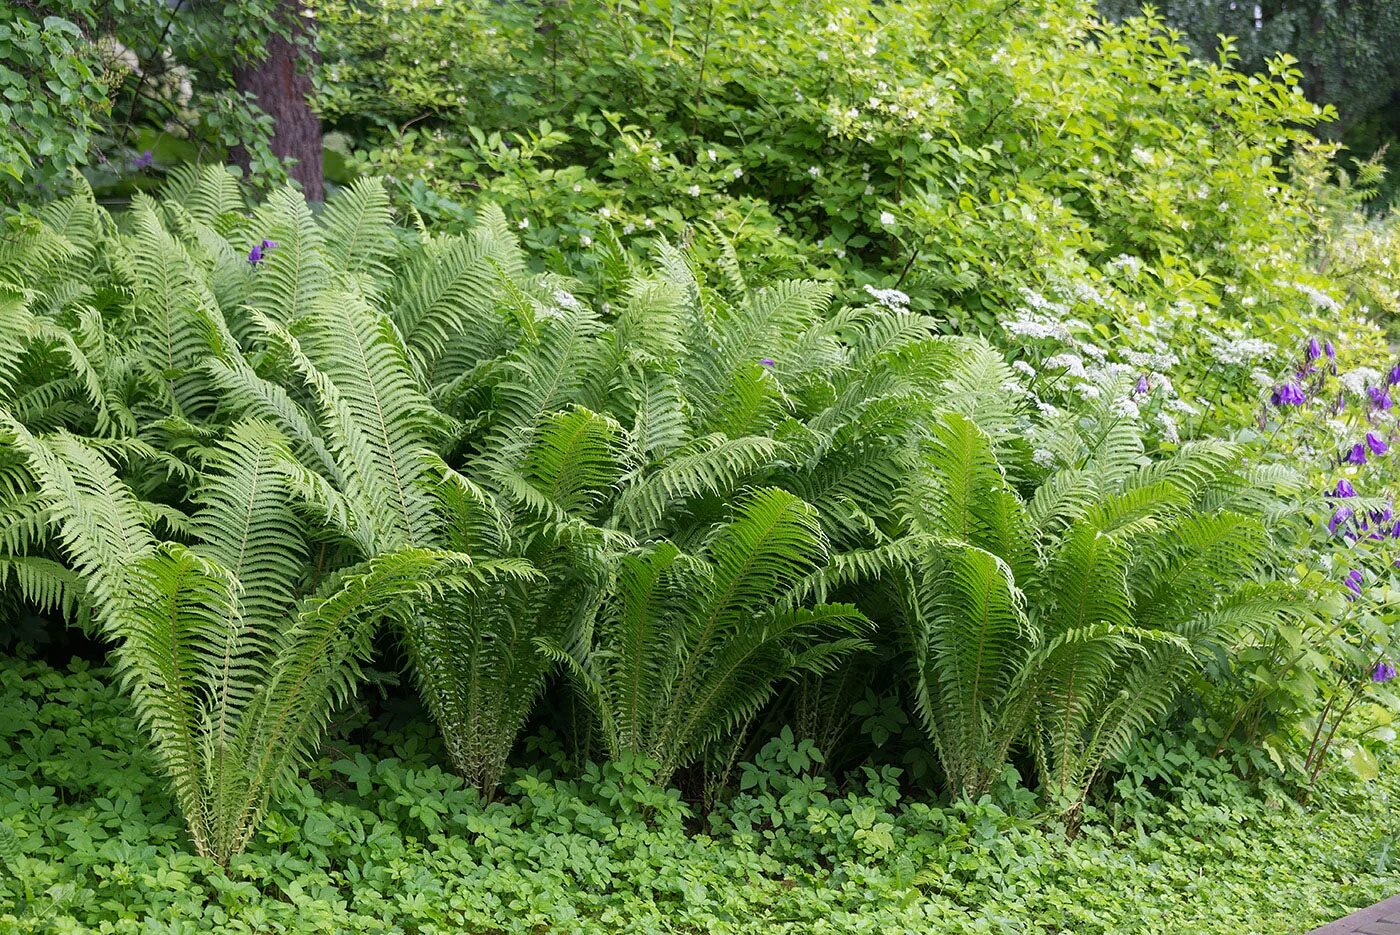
(1319, 298)
(1237, 350)
(1126, 262)
(1161, 360)
(1071, 363)
(1356, 381)
(567, 300)
(1030, 325)
(1124, 408)
(890, 298)
(1169, 429)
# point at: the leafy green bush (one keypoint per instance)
(52, 89)
(122, 90)
(378, 839)
(968, 154)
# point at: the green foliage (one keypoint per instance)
(1346, 51)
(243, 436)
(377, 838)
(974, 155)
(1074, 614)
(124, 89)
(686, 648)
(232, 673)
(235, 645)
(52, 90)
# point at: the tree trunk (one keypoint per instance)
(281, 84)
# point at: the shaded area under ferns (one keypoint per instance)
(379, 837)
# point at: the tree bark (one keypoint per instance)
(281, 84)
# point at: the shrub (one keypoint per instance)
(972, 155)
(123, 91)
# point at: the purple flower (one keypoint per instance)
(1377, 444)
(1383, 672)
(1344, 489)
(255, 255)
(1380, 399)
(1342, 514)
(143, 161)
(1314, 348)
(1330, 349)
(1289, 394)
(1357, 455)
(1353, 582)
(1143, 387)
(767, 362)
(1394, 377)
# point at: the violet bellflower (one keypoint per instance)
(1357, 455)
(1378, 445)
(144, 160)
(1353, 581)
(1143, 387)
(1380, 398)
(1394, 377)
(1331, 350)
(1289, 394)
(1344, 489)
(1383, 672)
(1342, 514)
(767, 362)
(1314, 348)
(256, 255)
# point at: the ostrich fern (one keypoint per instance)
(233, 672)
(235, 462)
(1073, 617)
(287, 424)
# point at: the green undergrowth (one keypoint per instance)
(379, 838)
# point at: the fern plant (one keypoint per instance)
(1069, 617)
(233, 672)
(654, 437)
(283, 446)
(687, 647)
(234, 432)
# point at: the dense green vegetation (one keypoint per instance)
(931, 463)
(379, 838)
(1347, 53)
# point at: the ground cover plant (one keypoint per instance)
(378, 837)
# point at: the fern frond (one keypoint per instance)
(357, 226)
